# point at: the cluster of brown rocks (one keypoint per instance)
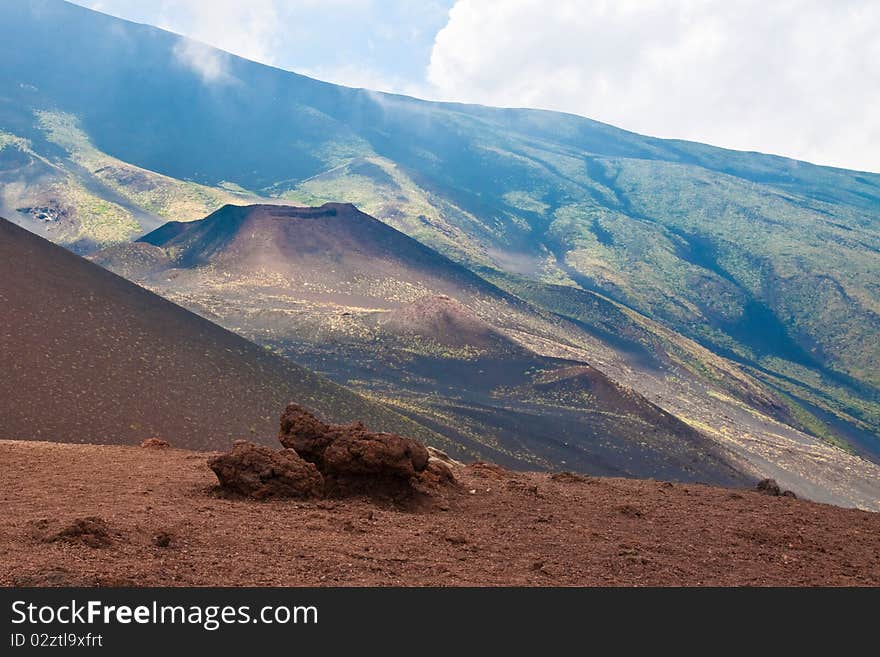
(319, 459)
(770, 487)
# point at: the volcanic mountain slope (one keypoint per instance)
(366, 304)
(58, 185)
(331, 252)
(442, 320)
(373, 309)
(766, 260)
(87, 356)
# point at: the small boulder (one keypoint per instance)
(630, 511)
(435, 454)
(155, 443)
(163, 539)
(350, 450)
(259, 472)
(770, 487)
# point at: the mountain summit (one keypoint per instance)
(331, 246)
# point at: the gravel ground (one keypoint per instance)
(154, 518)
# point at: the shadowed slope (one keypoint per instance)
(87, 356)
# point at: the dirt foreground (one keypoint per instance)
(129, 516)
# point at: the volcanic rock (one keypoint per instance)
(259, 472)
(155, 443)
(350, 450)
(303, 431)
(435, 454)
(439, 472)
(770, 487)
(362, 453)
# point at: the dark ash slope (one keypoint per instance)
(87, 356)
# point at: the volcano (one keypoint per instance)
(88, 356)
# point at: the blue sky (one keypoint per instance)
(799, 78)
(383, 44)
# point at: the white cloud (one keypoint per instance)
(211, 64)
(249, 29)
(794, 77)
(378, 44)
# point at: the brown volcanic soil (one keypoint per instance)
(111, 515)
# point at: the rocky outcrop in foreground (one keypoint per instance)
(321, 459)
(259, 472)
